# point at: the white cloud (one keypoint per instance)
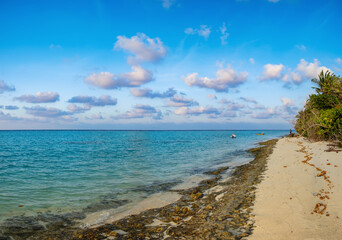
(338, 60)
(149, 93)
(224, 33)
(7, 117)
(252, 61)
(231, 105)
(55, 46)
(301, 47)
(296, 77)
(274, 1)
(203, 31)
(73, 108)
(197, 111)
(39, 97)
(249, 100)
(141, 111)
(272, 71)
(143, 48)
(225, 78)
(106, 80)
(103, 100)
(180, 101)
(4, 87)
(311, 70)
(287, 102)
(102, 80)
(39, 111)
(269, 113)
(212, 96)
(167, 3)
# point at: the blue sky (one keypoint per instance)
(163, 64)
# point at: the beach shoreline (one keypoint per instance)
(218, 207)
(301, 192)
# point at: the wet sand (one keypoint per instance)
(301, 194)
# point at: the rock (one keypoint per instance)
(195, 196)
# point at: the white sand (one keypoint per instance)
(287, 197)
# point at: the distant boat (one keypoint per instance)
(233, 135)
(260, 134)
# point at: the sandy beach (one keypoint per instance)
(291, 190)
(300, 196)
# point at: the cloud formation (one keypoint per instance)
(103, 100)
(143, 48)
(106, 80)
(5, 88)
(167, 3)
(181, 101)
(196, 111)
(224, 33)
(149, 93)
(141, 111)
(40, 97)
(73, 108)
(311, 70)
(39, 111)
(203, 31)
(231, 105)
(301, 47)
(272, 72)
(225, 78)
(7, 117)
(11, 107)
(249, 100)
(287, 110)
(212, 96)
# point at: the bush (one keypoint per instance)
(324, 102)
(321, 118)
(331, 123)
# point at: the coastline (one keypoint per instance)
(219, 207)
(301, 193)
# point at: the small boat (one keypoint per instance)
(260, 134)
(233, 135)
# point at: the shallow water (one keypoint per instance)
(65, 171)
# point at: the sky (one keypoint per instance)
(163, 64)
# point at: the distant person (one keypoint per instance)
(290, 131)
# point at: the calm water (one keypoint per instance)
(60, 171)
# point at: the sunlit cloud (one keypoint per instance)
(149, 93)
(39, 111)
(311, 70)
(103, 100)
(141, 111)
(225, 78)
(143, 48)
(197, 111)
(39, 97)
(181, 101)
(203, 31)
(212, 96)
(106, 80)
(272, 72)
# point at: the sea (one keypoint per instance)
(60, 172)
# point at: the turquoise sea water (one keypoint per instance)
(64, 171)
